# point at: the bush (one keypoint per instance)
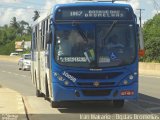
(7, 48)
(152, 47)
(151, 30)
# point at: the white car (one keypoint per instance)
(24, 63)
(14, 54)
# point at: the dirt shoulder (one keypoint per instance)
(9, 58)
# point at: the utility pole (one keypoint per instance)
(156, 6)
(140, 17)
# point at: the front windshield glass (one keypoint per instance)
(75, 45)
(118, 47)
(88, 45)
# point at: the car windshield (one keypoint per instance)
(88, 45)
(27, 57)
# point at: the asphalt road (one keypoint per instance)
(12, 77)
(39, 109)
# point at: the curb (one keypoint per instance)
(21, 108)
(15, 105)
(25, 108)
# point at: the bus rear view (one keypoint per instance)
(94, 53)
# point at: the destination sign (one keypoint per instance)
(91, 14)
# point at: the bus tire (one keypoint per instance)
(118, 103)
(54, 104)
(38, 93)
(46, 96)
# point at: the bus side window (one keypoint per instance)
(41, 35)
(48, 46)
(36, 37)
(33, 41)
(46, 31)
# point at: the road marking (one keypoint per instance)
(16, 74)
(23, 75)
(149, 76)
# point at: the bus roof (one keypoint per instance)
(102, 4)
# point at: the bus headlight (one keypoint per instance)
(131, 77)
(128, 80)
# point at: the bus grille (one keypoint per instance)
(96, 75)
(90, 84)
(96, 92)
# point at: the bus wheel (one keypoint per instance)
(54, 104)
(46, 96)
(118, 103)
(38, 93)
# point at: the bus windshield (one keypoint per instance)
(95, 45)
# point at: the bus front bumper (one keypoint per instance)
(61, 93)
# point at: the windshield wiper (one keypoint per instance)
(89, 53)
(109, 31)
(82, 33)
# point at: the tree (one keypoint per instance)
(16, 31)
(151, 30)
(23, 26)
(36, 15)
(153, 52)
(14, 23)
(29, 30)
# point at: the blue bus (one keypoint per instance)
(86, 51)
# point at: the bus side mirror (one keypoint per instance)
(49, 37)
(141, 51)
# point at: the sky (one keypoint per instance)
(24, 9)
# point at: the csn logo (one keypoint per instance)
(70, 77)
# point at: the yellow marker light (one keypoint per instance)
(66, 82)
(125, 82)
